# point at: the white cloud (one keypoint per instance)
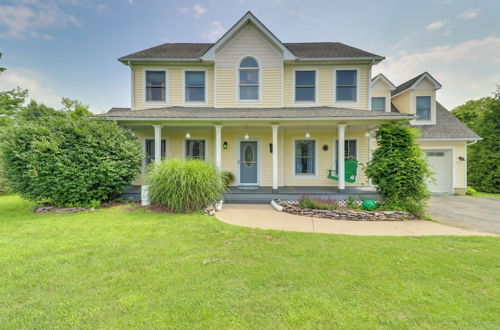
(198, 10)
(470, 14)
(215, 32)
(33, 81)
(27, 17)
(467, 70)
(436, 25)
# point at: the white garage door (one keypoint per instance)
(440, 162)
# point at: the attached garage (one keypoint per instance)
(441, 163)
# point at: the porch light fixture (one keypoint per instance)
(308, 135)
(246, 137)
(224, 145)
(367, 134)
(188, 135)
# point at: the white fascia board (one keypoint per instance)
(380, 76)
(248, 17)
(263, 119)
(451, 139)
(340, 59)
(126, 60)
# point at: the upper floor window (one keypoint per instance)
(249, 80)
(346, 89)
(195, 86)
(423, 108)
(305, 86)
(378, 103)
(155, 86)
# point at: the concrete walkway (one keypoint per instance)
(266, 217)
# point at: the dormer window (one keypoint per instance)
(378, 103)
(423, 108)
(249, 79)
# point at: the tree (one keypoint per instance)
(11, 104)
(483, 158)
(399, 169)
(1, 68)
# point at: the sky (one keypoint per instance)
(69, 48)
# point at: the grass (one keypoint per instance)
(485, 194)
(115, 268)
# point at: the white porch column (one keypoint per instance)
(275, 156)
(218, 146)
(157, 143)
(341, 159)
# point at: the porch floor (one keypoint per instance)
(264, 195)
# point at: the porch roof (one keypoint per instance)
(285, 113)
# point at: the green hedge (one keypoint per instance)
(69, 161)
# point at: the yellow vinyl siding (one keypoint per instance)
(402, 102)
(460, 150)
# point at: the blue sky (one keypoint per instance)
(68, 48)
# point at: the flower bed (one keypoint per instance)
(343, 213)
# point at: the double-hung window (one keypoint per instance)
(195, 149)
(305, 157)
(350, 151)
(195, 86)
(156, 86)
(378, 103)
(249, 79)
(423, 108)
(346, 89)
(150, 150)
(305, 86)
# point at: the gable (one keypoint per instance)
(425, 84)
(381, 85)
(248, 41)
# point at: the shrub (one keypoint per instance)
(307, 202)
(228, 178)
(185, 185)
(399, 169)
(68, 160)
(470, 191)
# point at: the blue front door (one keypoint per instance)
(248, 162)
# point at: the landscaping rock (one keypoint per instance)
(210, 210)
(352, 215)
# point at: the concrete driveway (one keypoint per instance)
(478, 213)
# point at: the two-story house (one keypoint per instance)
(281, 115)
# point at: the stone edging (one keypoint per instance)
(351, 215)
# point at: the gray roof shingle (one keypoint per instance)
(301, 50)
(404, 86)
(246, 113)
(447, 127)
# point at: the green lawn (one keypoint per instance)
(485, 194)
(116, 268)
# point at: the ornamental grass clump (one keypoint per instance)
(185, 185)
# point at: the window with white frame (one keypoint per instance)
(156, 86)
(350, 150)
(249, 79)
(195, 86)
(423, 108)
(305, 157)
(195, 149)
(150, 150)
(378, 103)
(346, 85)
(305, 86)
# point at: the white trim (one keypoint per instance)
(380, 76)
(167, 86)
(165, 59)
(453, 162)
(334, 92)
(132, 87)
(218, 146)
(334, 150)
(276, 150)
(238, 160)
(413, 109)
(341, 59)
(183, 84)
(369, 88)
(248, 17)
(282, 143)
(395, 117)
(237, 81)
(215, 84)
(316, 163)
(144, 154)
(386, 103)
(316, 86)
(437, 85)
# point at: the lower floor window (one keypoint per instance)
(350, 150)
(150, 150)
(195, 149)
(305, 156)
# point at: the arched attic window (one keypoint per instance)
(249, 79)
